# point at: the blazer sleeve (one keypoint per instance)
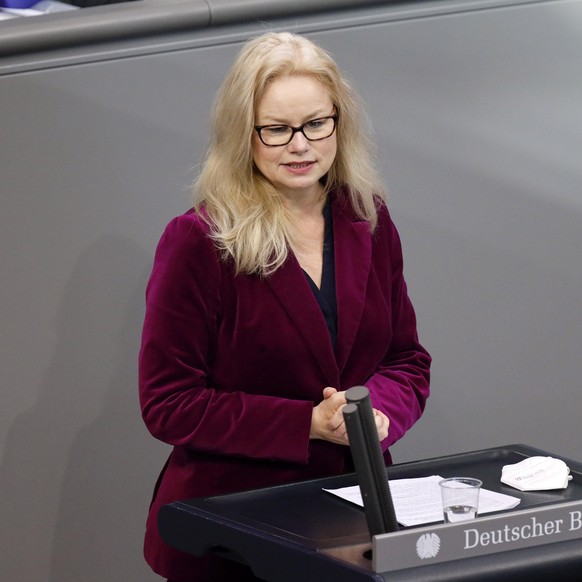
(400, 385)
(183, 312)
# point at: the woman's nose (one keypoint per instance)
(298, 142)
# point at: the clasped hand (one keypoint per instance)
(327, 420)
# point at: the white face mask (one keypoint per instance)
(537, 474)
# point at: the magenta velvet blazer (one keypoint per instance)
(231, 366)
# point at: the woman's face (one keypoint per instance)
(296, 168)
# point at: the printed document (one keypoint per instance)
(418, 501)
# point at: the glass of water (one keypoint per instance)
(460, 498)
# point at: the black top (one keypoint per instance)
(326, 294)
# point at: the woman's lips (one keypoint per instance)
(299, 167)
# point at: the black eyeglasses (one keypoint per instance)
(313, 130)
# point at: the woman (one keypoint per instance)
(279, 290)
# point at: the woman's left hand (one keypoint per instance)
(382, 424)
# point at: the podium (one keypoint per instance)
(300, 533)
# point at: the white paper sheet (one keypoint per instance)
(418, 501)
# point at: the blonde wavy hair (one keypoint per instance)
(248, 220)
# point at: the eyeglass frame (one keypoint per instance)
(298, 129)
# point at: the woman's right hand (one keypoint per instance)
(327, 421)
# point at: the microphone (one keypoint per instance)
(369, 462)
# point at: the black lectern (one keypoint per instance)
(300, 533)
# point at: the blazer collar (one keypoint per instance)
(353, 257)
(353, 252)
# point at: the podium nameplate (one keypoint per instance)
(478, 537)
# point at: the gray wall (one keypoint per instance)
(476, 107)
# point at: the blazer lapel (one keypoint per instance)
(293, 292)
(353, 256)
